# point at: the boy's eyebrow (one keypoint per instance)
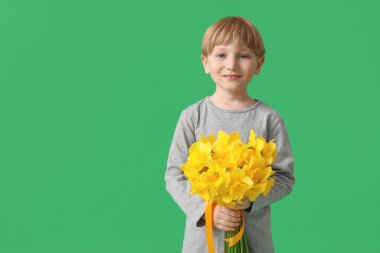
(240, 49)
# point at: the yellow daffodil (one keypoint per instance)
(226, 170)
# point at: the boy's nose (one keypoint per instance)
(232, 64)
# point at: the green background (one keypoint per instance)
(91, 91)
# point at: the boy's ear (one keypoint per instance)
(205, 64)
(260, 63)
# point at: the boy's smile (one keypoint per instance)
(232, 67)
(231, 77)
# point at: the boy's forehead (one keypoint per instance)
(221, 47)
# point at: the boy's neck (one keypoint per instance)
(231, 101)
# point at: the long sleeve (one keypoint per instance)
(176, 182)
(283, 166)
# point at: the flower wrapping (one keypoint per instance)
(226, 170)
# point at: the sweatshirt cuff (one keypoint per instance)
(257, 204)
(198, 216)
(248, 210)
(202, 221)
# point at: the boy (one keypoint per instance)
(232, 53)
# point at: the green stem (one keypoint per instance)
(240, 247)
(244, 245)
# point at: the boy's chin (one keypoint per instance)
(231, 88)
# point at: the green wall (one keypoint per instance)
(91, 91)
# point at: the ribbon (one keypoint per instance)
(233, 240)
(209, 223)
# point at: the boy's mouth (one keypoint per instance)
(231, 77)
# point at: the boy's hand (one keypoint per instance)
(225, 218)
(245, 203)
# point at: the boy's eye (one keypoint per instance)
(243, 56)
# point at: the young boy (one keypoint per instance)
(232, 53)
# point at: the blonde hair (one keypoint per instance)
(237, 30)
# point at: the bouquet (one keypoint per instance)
(226, 170)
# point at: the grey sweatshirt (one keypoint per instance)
(206, 118)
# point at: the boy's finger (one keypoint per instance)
(230, 224)
(230, 212)
(227, 223)
(238, 206)
(241, 207)
(224, 228)
(228, 218)
(247, 202)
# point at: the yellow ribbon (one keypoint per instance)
(233, 240)
(209, 220)
(209, 223)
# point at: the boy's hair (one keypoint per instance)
(237, 30)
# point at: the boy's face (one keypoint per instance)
(232, 60)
